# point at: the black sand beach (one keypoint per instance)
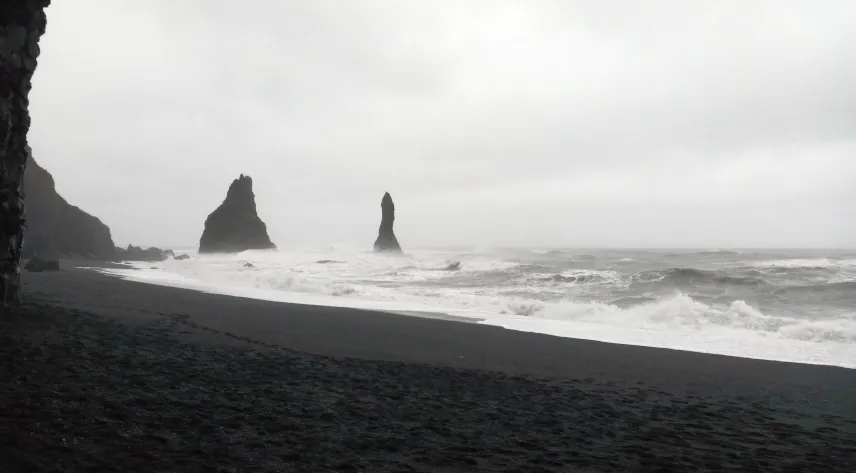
(101, 374)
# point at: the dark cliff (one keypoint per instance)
(22, 23)
(386, 240)
(56, 228)
(235, 225)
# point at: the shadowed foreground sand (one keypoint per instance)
(106, 375)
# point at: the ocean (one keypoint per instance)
(786, 305)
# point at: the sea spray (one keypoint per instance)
(787, 306)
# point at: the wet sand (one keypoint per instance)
(102, 374)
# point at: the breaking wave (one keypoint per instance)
(799, 309)
(683, 313)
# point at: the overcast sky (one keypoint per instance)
(529, 122)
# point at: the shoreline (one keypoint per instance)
(114, 375)
(426, 314)
(317, 301)
(274, 321)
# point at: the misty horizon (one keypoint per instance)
(541, 124)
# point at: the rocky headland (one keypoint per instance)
(56, 228)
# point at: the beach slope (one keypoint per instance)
(102, 374)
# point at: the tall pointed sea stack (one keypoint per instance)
(235, 225)
(22, 23)
(386, 240)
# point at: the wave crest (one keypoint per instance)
(682, 312)
(799, 304)
(680, 277)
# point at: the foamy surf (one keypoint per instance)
(629, 299)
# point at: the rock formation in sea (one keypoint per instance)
(235, 225)
(386, 241)
(22, 23)
(55, 228)
(136, 253)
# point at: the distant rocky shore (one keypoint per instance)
(136, 253)
(56, 229)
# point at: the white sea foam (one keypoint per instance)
(806, 263)
(494, 291)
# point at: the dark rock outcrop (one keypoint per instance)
(182, 257)
(37, 265)
(22, 23)
(56, 228)
(386, 240)
(235, 225)
(136, 253)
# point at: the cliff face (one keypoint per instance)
(22, 23)
(57, 229)
(386, 241)
(235, 225)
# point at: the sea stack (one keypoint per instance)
(386, 241)
(55, 228)
(235, 225)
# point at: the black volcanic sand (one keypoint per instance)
(105, 375)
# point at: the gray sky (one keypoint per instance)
(492, 122)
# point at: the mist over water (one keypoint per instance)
(789, 305)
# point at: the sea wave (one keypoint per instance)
(779, 305)
(679, 277)
(577, 277)
(806, 263)
(716, 252)
(844, 288)
(481, 292)
(683, 313)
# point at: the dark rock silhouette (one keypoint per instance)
(182, 257)
(57, 229)
(22, 23)
(386, 240)
(37, 265)
(136, 253)
(235, 225)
